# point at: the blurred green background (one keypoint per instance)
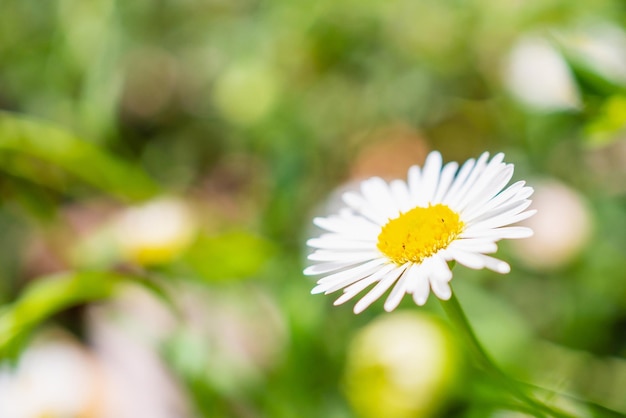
(160, 163)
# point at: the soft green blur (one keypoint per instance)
(160, 164)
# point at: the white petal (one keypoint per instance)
(502, 220)
(399, 290)
(447, 176)
(381, 287)
(414, 182)
(514, 192)
(441, 289)
(349, 237)
(496, 265)
(326, 267)
(344, 278)
(430, 179)
(357, 287)
(460, 178)
(487, 190)
(400, 192)
(340, 244)
(359, 204)
(438, 267)
(346, 256)
(513, 208)
(363, 270)
(357, 225)
(493, 170)
(457, 197)
(418, 284)
(468, 259)
(474, 245)
(511, 232)
(376, 192)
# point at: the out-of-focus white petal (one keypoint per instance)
(538, 76)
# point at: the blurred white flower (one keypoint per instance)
(156, 232)
(121, 377)
(538, 76)
(562, 227)
(600, 47)
(401, 365)
(401, 235)
(126, 334)
(54, 378)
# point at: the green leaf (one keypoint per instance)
(47, 296)
(85, 160)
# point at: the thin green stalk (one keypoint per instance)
(601, 409)
(459, 319)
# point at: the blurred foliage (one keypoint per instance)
(47, 296)
(228, 256)
(253, 114)
(45, 144)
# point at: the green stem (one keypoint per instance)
(459, 319)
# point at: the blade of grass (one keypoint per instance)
(84, 160)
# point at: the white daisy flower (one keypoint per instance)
(400, 235)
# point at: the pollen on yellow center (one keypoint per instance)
(419, 233)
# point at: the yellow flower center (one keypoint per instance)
(419, 233)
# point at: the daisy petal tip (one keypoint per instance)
(434, 156)
(441, 289)
(525, 233)
(309, 271)
(317, 290)
(503, 268)
(358, 309)
(361, 305)
(319, 221)
(445, 297)
(343, 298)
(420, 299)
(390, 307)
